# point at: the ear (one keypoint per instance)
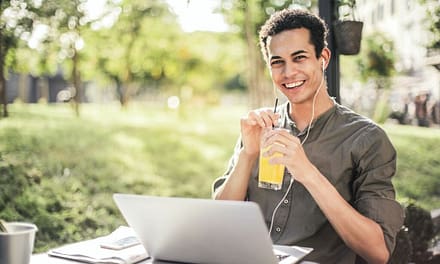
(325, 55)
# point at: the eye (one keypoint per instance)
(276, 62)
(299, 58)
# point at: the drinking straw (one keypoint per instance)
(275, 109)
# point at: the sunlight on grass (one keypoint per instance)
(422, 132)
(127, 141)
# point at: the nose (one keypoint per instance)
(290, 69)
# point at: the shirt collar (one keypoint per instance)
(289, 123)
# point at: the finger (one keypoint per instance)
(281, 136)
(276, 119)
(255, 118)
(277, 160)
(248, 121)
(272, 118)
(268, 117)
(286, 146)
(266, 132)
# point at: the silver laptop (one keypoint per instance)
(203, 231)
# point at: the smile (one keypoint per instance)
(294, 84)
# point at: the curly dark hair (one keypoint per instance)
(292, 19)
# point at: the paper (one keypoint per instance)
(290, 254)
(90, 251)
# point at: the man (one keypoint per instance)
(337, 196)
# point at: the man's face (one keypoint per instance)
(293, 65)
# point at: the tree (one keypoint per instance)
(376, 63)
(248, 16)
(145, 49)
(60, 45)
(142, 48)
(68, 20)
(433, 21)
(133, 50)
(16, 22)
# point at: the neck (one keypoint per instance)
(302, 113)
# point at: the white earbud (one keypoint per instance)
(323, 65)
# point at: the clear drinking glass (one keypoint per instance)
(270, 176)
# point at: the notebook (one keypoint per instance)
(203, 231)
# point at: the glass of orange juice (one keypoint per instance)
(270, 176)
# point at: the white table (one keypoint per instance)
(45, 259)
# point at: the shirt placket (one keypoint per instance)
(282, 214)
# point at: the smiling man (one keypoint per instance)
(337, 195)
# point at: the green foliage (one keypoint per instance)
(376, 64)
(435, 29)
(14, 22)
(142, 48)
(249, 15)
(136, 46)
(377, 59)
(433, 22)
(146, 49)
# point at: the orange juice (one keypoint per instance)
(270, 175)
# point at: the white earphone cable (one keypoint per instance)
(279, 204)
(292, 179)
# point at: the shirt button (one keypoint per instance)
(286, 201)
(278, 229)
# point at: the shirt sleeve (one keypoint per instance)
(373, 188)
(232, 161)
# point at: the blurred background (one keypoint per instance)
(105, 96)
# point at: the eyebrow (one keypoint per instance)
(275, 57)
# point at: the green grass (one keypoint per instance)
(59, 171)
(418, 164)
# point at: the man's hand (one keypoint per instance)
(252, 125)
(293, 155)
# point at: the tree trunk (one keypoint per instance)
(119, 90)
(125, 95)
(260, 91)
(128, 78)
(76, 78)
(3, 99)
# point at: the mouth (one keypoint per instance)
(293, 85)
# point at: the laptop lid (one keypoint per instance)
(200, 230)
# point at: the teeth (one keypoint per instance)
(294, 84)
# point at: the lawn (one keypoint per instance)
(418, 164)
(59, 171)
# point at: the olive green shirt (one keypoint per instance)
(357, 157)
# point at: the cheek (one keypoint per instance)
(275, 74)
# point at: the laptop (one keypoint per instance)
(192, 230)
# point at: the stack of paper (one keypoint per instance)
(91, 251)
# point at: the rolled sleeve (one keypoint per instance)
(388, 213)
(373, 188)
